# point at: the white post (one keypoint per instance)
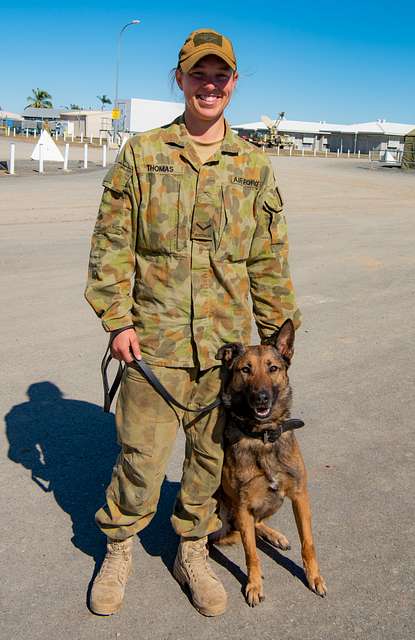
(327, 151)
(338, 153)
(348, 153)
(302, 151)
(66, 157)
(82, 138)
(315, 152)
(291, 150)
(8, 131)
(34, 133)
(56, 134)
(14, 132)
(72, 136)
(370, 156)
(41, 158)
(100, 139)
(104, 155)
(85, 156)
(90, 139)
(12, 154)
(27, 133)
(358, 154)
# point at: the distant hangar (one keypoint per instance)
(364, 137)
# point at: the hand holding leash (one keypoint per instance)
(125, 346)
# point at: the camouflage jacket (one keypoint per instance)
(179, 247)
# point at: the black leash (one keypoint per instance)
(270, 435)
(150, 376)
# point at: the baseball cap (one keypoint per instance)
(205, 42)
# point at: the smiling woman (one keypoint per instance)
(192, 216)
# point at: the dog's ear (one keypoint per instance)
(229, 352)
(283, 340)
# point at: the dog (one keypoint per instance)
(263, 463)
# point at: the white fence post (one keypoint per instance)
(338, 153)
(66, 157)
(104, 155)
(370, 155)
(100, 139)
(358, 154)
(34, 133)
(291, 150)
(8, 131)
(302, 151)
(85, 156)
(41, 158)
(27, 133)
(72, 136)
(315, 152)
(82, 138)
(12, 154)
(348, 153)
(90, 139)
(327, 151)
(14, 132)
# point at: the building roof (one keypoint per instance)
(34, 112)
(8, 115)
(86, 112)
(299, 126)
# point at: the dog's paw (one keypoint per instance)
(317, 584)
(281, 542)
(254, 593)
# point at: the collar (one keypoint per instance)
(269, 435)
(176, 134)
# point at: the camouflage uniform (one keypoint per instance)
(197, 240)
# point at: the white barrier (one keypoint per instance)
(85, 156)
(104, 155)
(291, 151)
(90, 139)
(12, 155)
(82, 138)
(338, 153)
(348, 153)
(327, 152)
(66, 157)
(27, 133)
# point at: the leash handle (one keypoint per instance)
(150, 376)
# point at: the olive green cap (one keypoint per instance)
(205, 42)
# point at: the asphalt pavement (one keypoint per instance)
(352, 257)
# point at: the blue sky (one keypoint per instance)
(321, 60)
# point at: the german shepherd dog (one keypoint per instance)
(263, 462)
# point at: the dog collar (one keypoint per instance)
(270, 435)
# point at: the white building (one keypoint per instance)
(139, 115)
(364, 137)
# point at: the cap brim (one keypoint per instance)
(190, 62)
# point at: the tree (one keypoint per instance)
(40, 99)
(104, 99)
(75, 107)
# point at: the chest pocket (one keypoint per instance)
(238, 222)
(160, 227)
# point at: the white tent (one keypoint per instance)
(49, 148)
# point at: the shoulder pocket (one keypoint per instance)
(273, 202)
(117, 178)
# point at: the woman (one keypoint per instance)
(192, 216)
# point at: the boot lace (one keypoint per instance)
(115, 565)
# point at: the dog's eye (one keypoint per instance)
(273, 368)
(246, 369)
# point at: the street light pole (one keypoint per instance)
(117, 69)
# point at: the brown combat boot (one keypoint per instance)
(108, 589)
(192, 569)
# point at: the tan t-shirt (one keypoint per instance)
(206, 150)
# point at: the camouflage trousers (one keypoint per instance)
(146, 430)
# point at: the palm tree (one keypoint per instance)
(75, 107)
(104, 99)
(40, 99)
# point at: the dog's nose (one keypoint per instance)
(262, 396)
